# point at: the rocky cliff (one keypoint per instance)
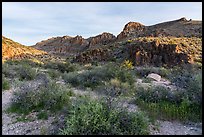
(168, 51)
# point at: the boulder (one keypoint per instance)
(154, 76)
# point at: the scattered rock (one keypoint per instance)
(154, 76)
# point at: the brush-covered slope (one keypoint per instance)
(12, 49)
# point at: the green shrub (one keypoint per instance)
(158, 94)
(42, 115)
(50, 97)
(162, 103)
(72, 78)
(26, 72)
(184, 111)
(98, 75)
(50, 65)
(5, 84)
(62, 66)
(9, 71)
(95, 118)
(194, 89)
(190, 79)
(144, 71)
(54, 73)
(125, 76)
(23, 62)
(115, 88)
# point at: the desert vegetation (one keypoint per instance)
(46, 96)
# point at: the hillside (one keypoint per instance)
(67, 45)
(182, 33)
(12, 49)
(177, 28)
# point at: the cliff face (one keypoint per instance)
(14, 50)
(167, 50)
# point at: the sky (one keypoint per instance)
(32, 22)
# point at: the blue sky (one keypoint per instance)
(31, 22)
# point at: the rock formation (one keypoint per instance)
(67, 45)
(104, 38)
(157, 52)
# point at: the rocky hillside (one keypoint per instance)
(170, 43)
(177, 28)
(12, 49)
(67, 45)
(155, 51)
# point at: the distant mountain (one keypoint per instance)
(168, 43)
(67, 45)
(14, 50)
(177, 28)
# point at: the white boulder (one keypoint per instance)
(154, 76)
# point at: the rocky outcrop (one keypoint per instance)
(132, 28)
(104, 38)
(14, 50)
(177, 28)
(62, 45)
(67, 45)
(157, 52)
(93, 55)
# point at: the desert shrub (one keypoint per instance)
(127, 64)
(23, 62)
(5, 84)
(9, 71)
(89, 78)
(96, 118)
(26, 72)
(190, 79)
(54, 73)
(42, 115)
(144, 71)
(65, 67)
(50, 65)
(184, 111)
(159, 93)
(161, 103)
(50, 97)
(72, 78)
(115, 88)
(194, 89)
(62, 66)
(125, 75)
(98, 75)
